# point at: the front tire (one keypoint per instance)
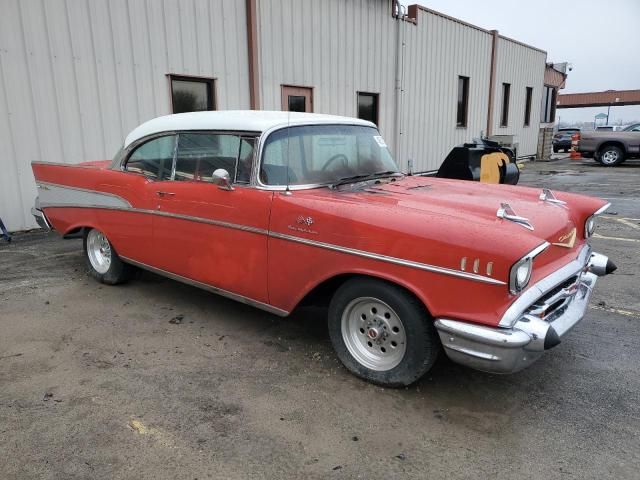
(382, 333)
(102, 260)
(611, 156)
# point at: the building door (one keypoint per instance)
(297, 99)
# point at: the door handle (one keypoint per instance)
(165, 194)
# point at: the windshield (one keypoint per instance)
(323, 154)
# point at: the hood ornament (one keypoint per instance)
(505, 211)
(548, 196)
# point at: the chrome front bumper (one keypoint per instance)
(538, 327)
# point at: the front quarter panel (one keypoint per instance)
(331, 219)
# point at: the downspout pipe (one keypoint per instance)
(492, 80)
(399, 80)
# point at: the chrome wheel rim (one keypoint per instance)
(99, 251)
(374, 334)
(609, 157)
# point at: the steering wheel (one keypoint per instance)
(345, 161)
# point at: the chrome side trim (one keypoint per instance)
(602, 209)
(217, 223)
(385, 258)
(65, 195)
(210, 288)
(534, 292)
(291, 238)
(235, 226)
(59, 164)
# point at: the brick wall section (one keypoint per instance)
(545, 143)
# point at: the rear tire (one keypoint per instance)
(610, 156)
(103, 262)
(382, 333)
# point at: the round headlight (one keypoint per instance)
(522, 274)
(589, 226)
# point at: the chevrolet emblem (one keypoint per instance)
(567, 240)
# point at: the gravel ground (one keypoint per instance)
(155, 379)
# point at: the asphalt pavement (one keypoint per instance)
(155, 379)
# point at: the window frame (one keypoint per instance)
(211, 83)
(260, 154)
(528, 100)
(242, 134)
(462, 123)
(550, 115)
(506, 99)
(134, 147)
(376, 97)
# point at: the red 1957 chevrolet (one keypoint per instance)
(279, 209)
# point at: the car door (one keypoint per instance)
(210, 234)
(148, 164)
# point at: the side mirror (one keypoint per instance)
(221, 178)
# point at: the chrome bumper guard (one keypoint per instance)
(536, 328)
(40, 217)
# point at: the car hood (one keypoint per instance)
(471, 204)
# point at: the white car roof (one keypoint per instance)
(236, 120)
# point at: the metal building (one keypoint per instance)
(77, 76)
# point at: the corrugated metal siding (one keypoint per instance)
(521, 67)
(77, 76)
(438, 51)
(337, 47)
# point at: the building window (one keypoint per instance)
(368, 106)
(548, 113)
(192, 94)
(463, 101)
(527, 107)
(297, 99)
(504, 116)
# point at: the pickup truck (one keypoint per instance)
(611, 148)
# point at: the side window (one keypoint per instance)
(200, 154)
(245, 160)
(153, 159)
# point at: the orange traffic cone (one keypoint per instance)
(575, 154)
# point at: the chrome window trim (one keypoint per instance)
(126, 155)
(119, 163)
(209, 288)
(280, 188)
(544, 286)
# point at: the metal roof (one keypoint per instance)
(599, 99)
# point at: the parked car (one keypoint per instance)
(562, 139)
(279, 210)
(611, 148)
(610, 128)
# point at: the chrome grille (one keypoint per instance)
(556, 301)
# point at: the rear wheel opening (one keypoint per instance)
(381, 332)
(102, 260)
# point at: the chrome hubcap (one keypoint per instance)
(99, 251)
(373, 333)
(609, 156)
